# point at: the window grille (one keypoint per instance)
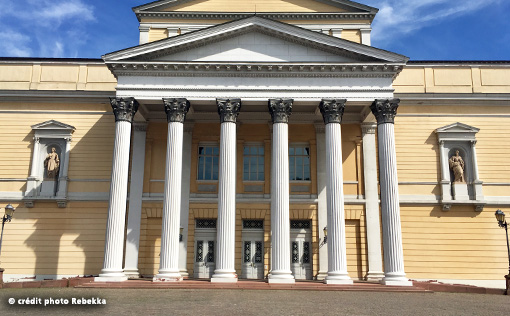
(253, 224)
(205, 223)
(300, 224)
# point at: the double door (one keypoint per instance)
(205, 244)
(301, 255)
(253, 255)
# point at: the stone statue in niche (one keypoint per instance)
(457, 165)
(52, 164)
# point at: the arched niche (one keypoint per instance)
(43, 183)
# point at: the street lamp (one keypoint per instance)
(9, 212)
(181, 229)
(325, 230)
(500, 216)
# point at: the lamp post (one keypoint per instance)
(9, 212)
(500, 216)
(325, 230)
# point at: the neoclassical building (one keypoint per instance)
(255, 140)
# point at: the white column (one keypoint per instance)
(477, 184)
(321, 198)
(135, 201)
(228, 109)
(176, 110)
(124, 110)
(373, 224)
(332, 111)
(385, 111)
(280, 110)
(185, 187)
(445, 173)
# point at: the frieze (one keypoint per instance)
(176, 109)
(385, 110)
(228, 109)
(277, 16)
(280, 110)
(124, 109)
(332, 110)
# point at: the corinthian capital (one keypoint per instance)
(176, 109)
(228, 109)
(385, 110)
(280, 110)
(124, 109)
(332, 110)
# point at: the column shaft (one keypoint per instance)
(280, 221)
(385, 112)
(114, 240)
(337, 258)
(176, 110)
(169, 259)
(225, 269)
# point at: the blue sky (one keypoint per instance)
(420, 29)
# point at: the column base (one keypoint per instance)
(321, 275)
(396, 281)
(167, 277)
(224, 276)
(281, 278)
(374, 276)
(338, 278)
(110, 278)
(184, 273)
(132, 273)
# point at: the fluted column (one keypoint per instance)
(176, 110)
(280, 110)
(124, 110)
(373, 223)
(332, 111)
(228, 109)
(385, 111)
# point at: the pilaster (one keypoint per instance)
(228, 110)
(124, 109)
(176, 110)
(385, 112)
(185, 192)
(135, 201)
(373, 225)
(280, 110)
(321, 198)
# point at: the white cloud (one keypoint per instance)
(14, 44)
(41, 27)
(404, 16)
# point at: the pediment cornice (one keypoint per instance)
(200, 69)
(277, 29)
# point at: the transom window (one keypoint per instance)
(208, 162)
(299, 163)
(253, 163)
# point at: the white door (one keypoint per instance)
(253, 258)
(301, 256)
(204, 257)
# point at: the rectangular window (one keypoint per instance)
(253, 163)
(208, 162)
(299, 163)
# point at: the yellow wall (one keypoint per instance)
(54, 76)
(458, 244)
(254, 6)
(352, 35)
(46, 240)
(453, 79)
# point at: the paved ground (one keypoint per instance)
(252, 302)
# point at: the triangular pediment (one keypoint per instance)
(457, 128)
(259, 40)
(53, 125)
(297, 6)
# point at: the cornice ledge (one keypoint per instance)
(241, 15)
(163, 69)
